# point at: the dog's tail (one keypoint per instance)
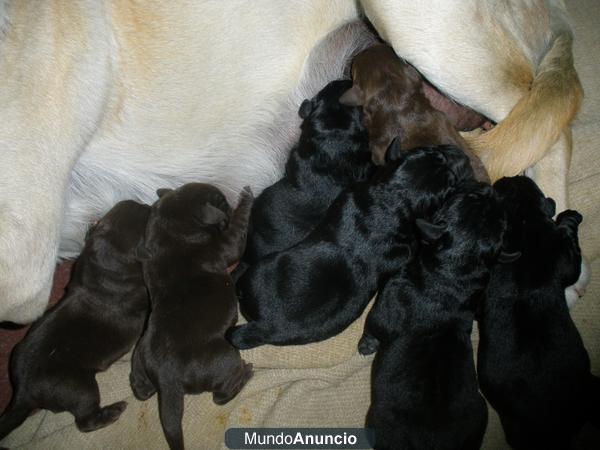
(539, 117)
(14, 415)
(170, 408)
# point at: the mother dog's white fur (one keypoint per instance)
(104, 100)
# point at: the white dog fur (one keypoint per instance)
(105, 100)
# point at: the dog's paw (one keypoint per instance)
(367, 345)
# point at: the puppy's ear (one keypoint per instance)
(394, 150)
(430, 232)
(353, 97)
(506, 257)
(306, 108)
(211, 215)
(162, 191)
(142, 253)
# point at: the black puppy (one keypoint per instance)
(532, 365)
(316, 288)
(190, 242)
(98, 321)
(424, 387)
(332, 153)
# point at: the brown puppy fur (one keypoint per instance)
(394, 104)
(98, 321)
(190, 243)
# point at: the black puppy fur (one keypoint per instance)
(424, 387)
(316, 288)
(332, 153)
(98, 321)
(532, 365)
(190, 242)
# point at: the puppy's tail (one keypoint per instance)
(170, 408)
(13, 416)
(539, 117)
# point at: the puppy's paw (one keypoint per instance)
(367, 345)
(142, 388)
(242, 377)
(244, 337)
(101, 418)
(246, 194)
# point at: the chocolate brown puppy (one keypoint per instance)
(191, 239)
(97, 322)
(394, 104)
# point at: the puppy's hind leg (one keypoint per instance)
(141, 385)
(246, 336)
(82, 399)
(170, 408)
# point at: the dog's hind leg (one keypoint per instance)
(170, 407)
(141, 385)
(82, 399)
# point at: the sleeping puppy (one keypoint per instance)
(190, 242)
(332, 153)
(394, 104)
(533, 367)
(316, 288)
(424, 387)
(97, 322)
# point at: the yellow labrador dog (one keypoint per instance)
(102, 100)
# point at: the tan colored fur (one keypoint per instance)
(538, 119)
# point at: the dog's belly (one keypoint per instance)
(193, 102)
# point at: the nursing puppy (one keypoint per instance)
(190, 242)
(532, 365)
(97, 322)
(332, 153)
(424, 387)
(316, 288)
(394, 104)
(119, 109)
